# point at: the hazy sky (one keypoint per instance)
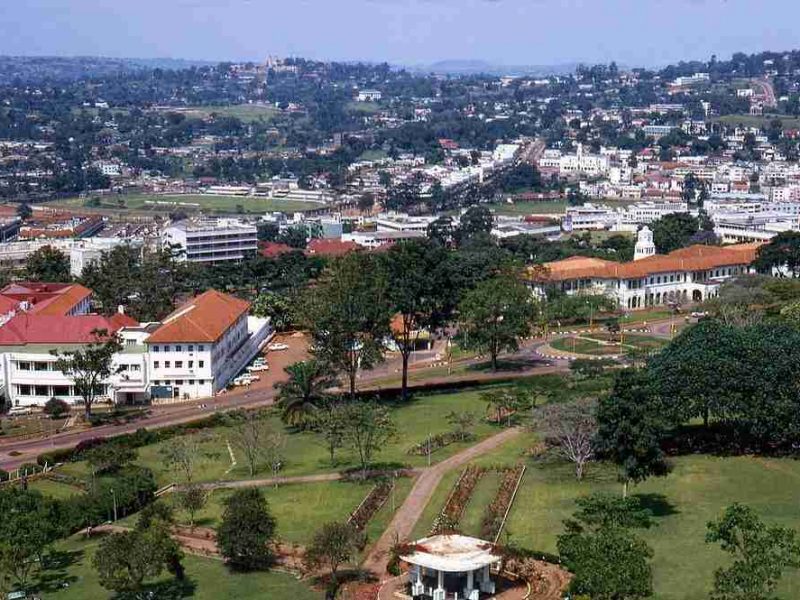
(632, 32)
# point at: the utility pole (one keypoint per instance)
(114, 497)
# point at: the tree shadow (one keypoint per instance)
(170, 589)
(506, 364)
(657, 504)
(54, 576)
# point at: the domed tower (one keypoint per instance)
(644, 244)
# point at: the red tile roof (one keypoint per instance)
(204, 319)
(693, 258)
(44, 298)
(273, 249)
(330, 247)
(54, 329)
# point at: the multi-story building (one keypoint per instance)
(690, 274)
(193, 353)
(212, 241)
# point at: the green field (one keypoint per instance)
(191, 202)
(592, 344)
(247, 113)
(210, 578)
(695, 492)
(549, 207)
(762, 121)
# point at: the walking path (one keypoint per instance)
(410, 511)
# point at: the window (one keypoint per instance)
(155, 348)
(167, 364)
(191, 347)
(178, 364)
(200, 347)
(24, 390)
(200, 363)
(166, 348)
(191, 364)
(167, 381)
(136, 368)
(61, 390)
(179, 382)
(40, 366)
(201, 381)
(156, 364)
(178, 348)
(24, 366)
(41, 390)
(191, 382)
(130, 342)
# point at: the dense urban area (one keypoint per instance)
(301, 329)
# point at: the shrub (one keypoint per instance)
(56, 408)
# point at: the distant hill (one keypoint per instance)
(33, 69)
(475, 67)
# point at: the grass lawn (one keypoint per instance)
(580, 345)
(191, 202)
(247, 113)
(482, 495)
(759, 120)
(695, 492)
(549, 207)
(55, 489)
(29, 425)
(211, 579)
(300, 508)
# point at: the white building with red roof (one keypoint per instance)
(192, 353)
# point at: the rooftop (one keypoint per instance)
(203, 319)
(24, 329)
(452, 553)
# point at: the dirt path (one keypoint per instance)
(411, 510)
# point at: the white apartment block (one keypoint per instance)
(212, 241)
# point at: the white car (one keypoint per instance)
(258, 368)
(243, 380)
(276, 347)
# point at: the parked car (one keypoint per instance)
(277, 347)
(243, 380)
(258, 368)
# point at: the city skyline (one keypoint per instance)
(409, 32)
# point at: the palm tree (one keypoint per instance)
(305, 391)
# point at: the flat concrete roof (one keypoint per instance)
(452, 553)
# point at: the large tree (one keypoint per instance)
(631, 428)
(571, 426)
(367, 427)
(90, 366)
(760, 554)
(496, 314)
(416, 283)
(348, 316)
(781, 255)
(48, 264)
(333, 545)
(305, 392)
(674, 231)
(246, 530)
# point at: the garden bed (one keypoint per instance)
(450, 516)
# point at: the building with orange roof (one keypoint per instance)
(194, 352)
(690, 274)
(201, 346)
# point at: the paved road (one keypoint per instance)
(410, 511)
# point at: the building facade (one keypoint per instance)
(212, 241)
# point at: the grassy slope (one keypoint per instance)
(212, 580)
(205, 202)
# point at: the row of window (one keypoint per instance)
(178, 364)
(177, 348)
(25, 365)
(179, 382)
(49, 391)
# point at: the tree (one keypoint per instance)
(416, 284)
(462, 423)
(348, 316)
(192, 499)
(476, 221)
(609, 563)
(367, 427)
(674, 231)
(630, 430)
(109, 457)
(781, 255)
(90, 366)
(572, 426)
(48, 264)
(441, 231)
(24, 211)
(29, 526)
(182, 453)
(333, 545)
(507, 402)
(496, 314)
(330, 424)
(55, 408)
(606, 510)
(760, 554)
(276, 307)
(305, 392)
(246, 530)
(124, 560)
(249, 436)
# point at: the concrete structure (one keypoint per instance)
(644, 244)
(81, 252)
(212, 241)
(451, 566)
(368, 96)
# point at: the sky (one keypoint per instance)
(506, 32)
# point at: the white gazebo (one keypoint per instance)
(451, 567)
